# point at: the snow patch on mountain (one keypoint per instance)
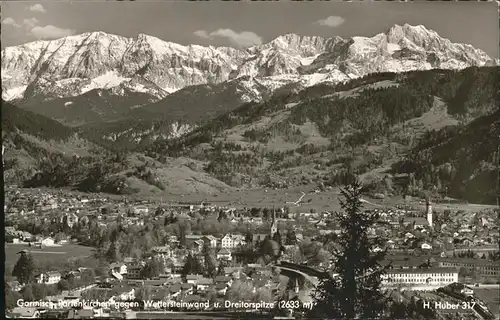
(106, 81)
(13, 93)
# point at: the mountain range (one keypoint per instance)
(141, 112)
(146, 69)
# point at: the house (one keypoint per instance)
(122, 292)
(187, 288)
(26, 236)
(210, 241)
(15, 286)
(80, 314)
(173, 240)
(234, 220)
(238, 240)
(417, 222)
(51, 277)
(164, 250)
(191, 238)
(485, 268)
(256, 220)
(233, 272)
(224, 254)
(119, 268)
(225, 280)
(141, 210)
(47, 242)
(422, 276)
(70, 219)
(227, 242)
(221, 288)
(460, 288)
(425, 246)
(72, 296)
(320, 224)
(204, 283)
(409, 235)
(25, 313)
(193, 278)
(174, 290)
(154, 283)
(198, 245)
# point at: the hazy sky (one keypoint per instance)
(242, 24)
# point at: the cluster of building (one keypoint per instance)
(422, 252)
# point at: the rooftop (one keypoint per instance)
(422, 271)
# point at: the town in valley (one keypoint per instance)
(142, 257)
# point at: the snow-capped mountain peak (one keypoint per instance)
(73, 65)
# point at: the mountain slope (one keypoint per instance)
(174, 115)
(30, 139)
(462, 158)
(15, 119)
(325, 133)
(98, 105)
(42, 152)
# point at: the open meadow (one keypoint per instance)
(327, 200)
(46, 255)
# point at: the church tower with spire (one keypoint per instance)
(274, 224)
(428, 209)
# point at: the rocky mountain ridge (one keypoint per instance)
(74, 65)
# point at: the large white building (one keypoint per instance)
(51, 277)
(231, 241)
(430, 276)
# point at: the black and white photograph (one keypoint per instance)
(251, 159)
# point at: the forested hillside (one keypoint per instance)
(402, 133)
(458, 161)
(41, 152)
(326, 133)
(16, 120)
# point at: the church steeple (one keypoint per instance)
(274, 224)
(428, 209)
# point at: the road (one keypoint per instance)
(305, 295)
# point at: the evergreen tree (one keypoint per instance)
(355, 293)
(152, 269)
(192, 266)
(25, 268)
(249, 238)
(113, 253)
(210, 264)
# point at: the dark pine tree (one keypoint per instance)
(355, 292)
(25, 268)
(192, 266)
(113, 253)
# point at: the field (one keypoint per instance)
(46, 255)
(328, 200)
